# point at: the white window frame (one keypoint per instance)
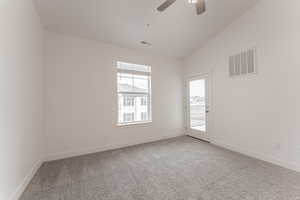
(148, 94)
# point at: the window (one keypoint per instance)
(128, 101)
(143, 101)
(128, 117)
(144, 116)
(134, 93)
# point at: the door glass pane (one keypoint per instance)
(197, 105)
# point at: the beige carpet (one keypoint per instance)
(176, 169)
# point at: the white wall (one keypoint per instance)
(21, 98)
(81, 100)
(254, 113)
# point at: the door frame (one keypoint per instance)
(192, 132)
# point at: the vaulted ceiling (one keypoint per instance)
(176, 32)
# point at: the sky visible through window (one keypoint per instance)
(197, 88)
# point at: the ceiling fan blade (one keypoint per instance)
(165, 5)
(200, 7)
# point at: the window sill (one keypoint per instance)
(134, 124)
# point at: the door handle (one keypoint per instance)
(207, 111)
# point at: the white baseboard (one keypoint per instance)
(270, 159)
(69, 154)
(21, 188)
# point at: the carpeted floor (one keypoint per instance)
(182, 168)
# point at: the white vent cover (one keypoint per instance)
(243, 63)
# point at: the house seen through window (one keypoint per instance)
(134, 93)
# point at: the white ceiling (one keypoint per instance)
(177, 32)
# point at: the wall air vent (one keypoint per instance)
(243, 63)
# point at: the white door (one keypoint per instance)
(198, 106)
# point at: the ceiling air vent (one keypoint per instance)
(243, 63)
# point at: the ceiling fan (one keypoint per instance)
(199, 4)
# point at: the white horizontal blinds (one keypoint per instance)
(133, 68)
(134, 92)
